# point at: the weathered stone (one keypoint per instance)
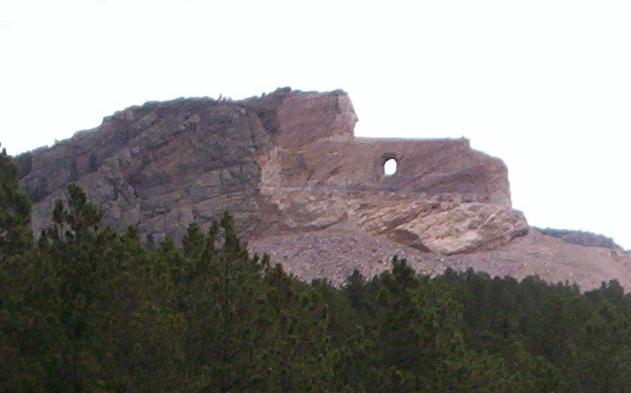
(334, 253)
(467, 227)
(287, 166)
(288, 153)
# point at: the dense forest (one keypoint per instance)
(86, 309)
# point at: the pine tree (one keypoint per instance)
(226, 313)
(15, 209)
(89, 309)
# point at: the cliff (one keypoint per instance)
(290, 170)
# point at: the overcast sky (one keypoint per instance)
(544, 85)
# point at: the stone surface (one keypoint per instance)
(582, 238)
(333, 254)
(280, 163)
(287, 166)
(160, 166)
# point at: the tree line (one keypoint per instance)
(84, 308)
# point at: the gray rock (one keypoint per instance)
(287, 166)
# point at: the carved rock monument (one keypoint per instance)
(305, 190)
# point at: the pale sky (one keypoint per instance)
(543, 84)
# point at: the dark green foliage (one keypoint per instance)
(86, 309)
(15, 210)
(24, 163)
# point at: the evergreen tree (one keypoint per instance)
(15, 209)
(90, 309)
(225, 312)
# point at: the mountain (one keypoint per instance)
(303, 189)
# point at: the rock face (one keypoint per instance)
(582, 238)
(285, 165)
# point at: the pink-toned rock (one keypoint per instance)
(467, 227)
(287, 166)
(335, 253)
(283, 162)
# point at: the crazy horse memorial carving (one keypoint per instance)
(305, 190)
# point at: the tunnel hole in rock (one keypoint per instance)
(390, 167)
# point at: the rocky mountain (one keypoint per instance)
(305, 190)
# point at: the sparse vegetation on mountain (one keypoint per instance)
(87, 309)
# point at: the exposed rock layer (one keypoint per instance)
(285, 164)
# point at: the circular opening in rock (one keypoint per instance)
(390, 167)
